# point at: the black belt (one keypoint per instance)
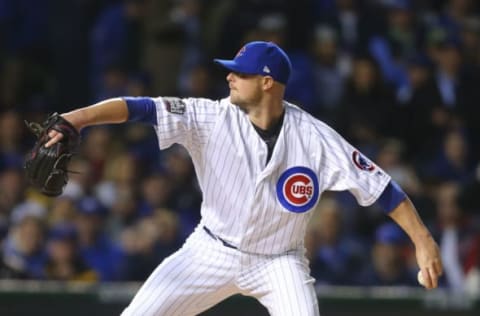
(226, 244)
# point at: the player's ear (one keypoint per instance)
(267, 82)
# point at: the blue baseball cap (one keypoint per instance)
(260, 58)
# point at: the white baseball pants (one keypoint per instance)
(205, 271)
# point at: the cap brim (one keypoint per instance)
(232, 66)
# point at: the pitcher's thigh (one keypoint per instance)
(182, 285)
(289, 288)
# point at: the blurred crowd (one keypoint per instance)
(397, 78)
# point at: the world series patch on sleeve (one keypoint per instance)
(174, 105)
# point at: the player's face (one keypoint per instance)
(245, 90)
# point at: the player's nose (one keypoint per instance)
(230, 76)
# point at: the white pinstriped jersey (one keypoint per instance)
(263, 207)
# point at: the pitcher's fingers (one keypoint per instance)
(427, 283)
(437, 265)
(433, 276)
(55, 138)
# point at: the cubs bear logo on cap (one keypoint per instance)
(297, 189)
(260, 58)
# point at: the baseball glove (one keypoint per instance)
(46, 168)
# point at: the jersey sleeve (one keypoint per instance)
(346, 168)
(188, 122)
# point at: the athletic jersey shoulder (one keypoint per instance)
(343, 166)
(186, 121)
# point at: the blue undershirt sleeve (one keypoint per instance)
(141, 109)
(391, 197)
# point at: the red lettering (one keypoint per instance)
(298, 193)
(309, 191)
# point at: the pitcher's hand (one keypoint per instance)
(429, 261)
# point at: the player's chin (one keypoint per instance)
(241, 105)
(234, 98)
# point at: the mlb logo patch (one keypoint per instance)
(174, 105)
(297, 189)
(361, 162)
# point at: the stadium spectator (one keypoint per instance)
(366, 109)
(330, 71)
(452, 161)
(115, 40)
(335, 254)
(389, 264)
(148, 242)
(62, 211)
(11, 151)
(400, 38)
(123, 213)
(12, 192)
(96, 248)
(454, 231)
(64, 262)
(81, 180)
(156, 192)
(23, 253)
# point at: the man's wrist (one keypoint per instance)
(422, 236)
(75, 119)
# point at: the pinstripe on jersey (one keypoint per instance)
(241, 201)
(204, 272)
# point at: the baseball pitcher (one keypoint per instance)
(262, 164)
